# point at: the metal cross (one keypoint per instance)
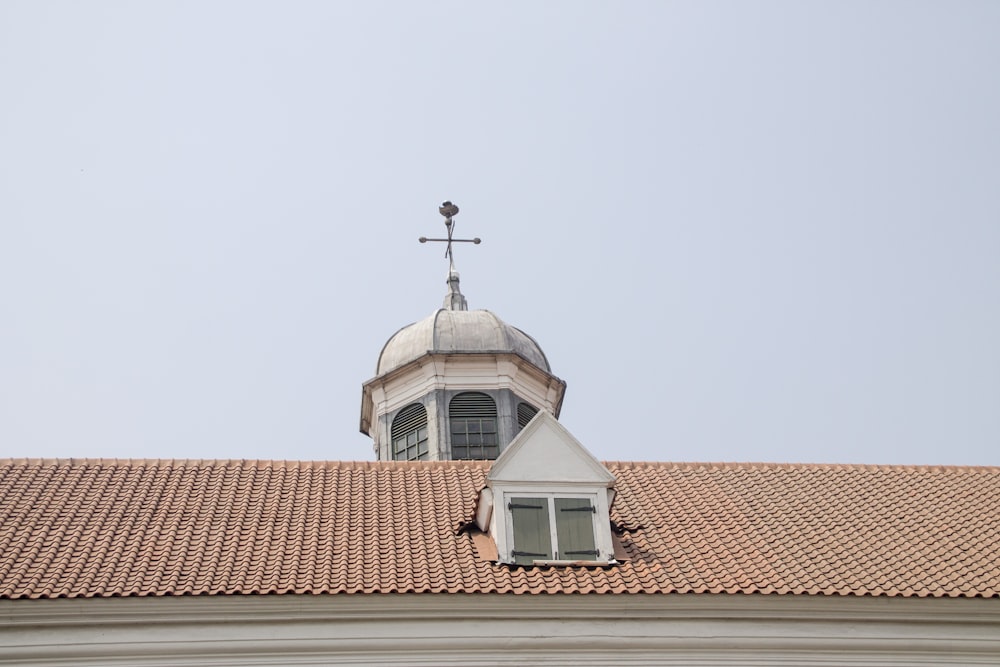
(449, 211)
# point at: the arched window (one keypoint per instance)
(525, 411)
(473, 418)
(409, 434)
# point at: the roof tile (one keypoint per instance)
(100, 528)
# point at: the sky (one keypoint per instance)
(740, 231)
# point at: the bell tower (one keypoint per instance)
(458, 384)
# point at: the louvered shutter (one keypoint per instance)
(575, 528)
(532, 536)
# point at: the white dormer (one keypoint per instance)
(547, 499)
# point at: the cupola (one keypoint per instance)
(458, 384)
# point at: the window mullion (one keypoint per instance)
(552, 528)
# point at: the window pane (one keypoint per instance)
(530, 520)
(575, 528)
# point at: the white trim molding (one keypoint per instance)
(443, 629)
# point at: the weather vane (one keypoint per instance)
(449, 211)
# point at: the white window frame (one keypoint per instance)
(502, 524)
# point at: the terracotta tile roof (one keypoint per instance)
(84, 528)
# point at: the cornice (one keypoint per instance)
(499, 630)
(321, 607)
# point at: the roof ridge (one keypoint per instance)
(757, 465)
(392, 465)
(249, 463)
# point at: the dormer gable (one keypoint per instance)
(547, 499)
(545, 451)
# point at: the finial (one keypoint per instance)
(453, 300)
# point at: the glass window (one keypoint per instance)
(409, 434)
(473, 419)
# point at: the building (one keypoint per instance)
(486, 533)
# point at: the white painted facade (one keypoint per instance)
(440, 629)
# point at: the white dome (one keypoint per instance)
(458, 331)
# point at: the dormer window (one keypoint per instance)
(547, 500)
(473, 419)
(552, 528)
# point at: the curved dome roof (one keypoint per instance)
(458, 331)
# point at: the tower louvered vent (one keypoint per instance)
(525, 413)
(473, 404)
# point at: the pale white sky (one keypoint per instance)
(740, 231)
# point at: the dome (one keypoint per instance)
(448, 331)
